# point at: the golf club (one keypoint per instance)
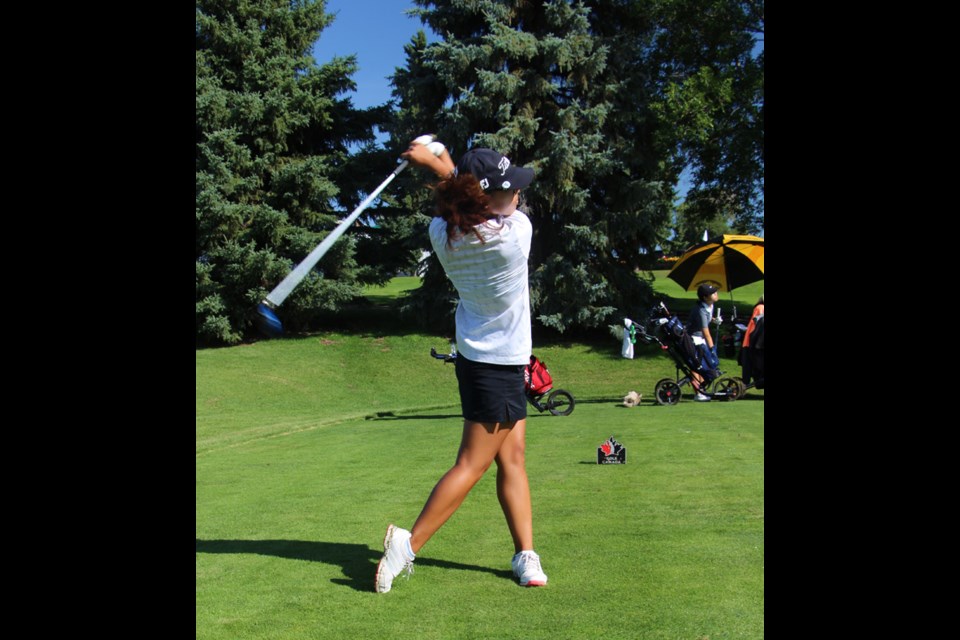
(266, 320)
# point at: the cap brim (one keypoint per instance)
(521, 177)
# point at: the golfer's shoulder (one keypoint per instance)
(438, 228)
(519, 217)
(518, 220)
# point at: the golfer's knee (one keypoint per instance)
(512, 455)
(471, 467)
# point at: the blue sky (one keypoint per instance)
(375, 31)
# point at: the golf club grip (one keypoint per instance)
(295, 277)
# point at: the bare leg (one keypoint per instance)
(513, 488)
(696, 381)
(479, 445)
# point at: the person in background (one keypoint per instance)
(698, 326)
(746, 361)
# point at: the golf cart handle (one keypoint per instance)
(446, 357)
(645, 338)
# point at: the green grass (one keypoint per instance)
(390, 291)
(307, 447)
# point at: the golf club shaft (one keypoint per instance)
(276, 297)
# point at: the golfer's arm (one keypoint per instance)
(442, 165)
(419, 155)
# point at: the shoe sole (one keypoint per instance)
(386, 547)
(530, 583)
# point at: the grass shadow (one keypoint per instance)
(358, 562)
(604, 400)
(390, 415)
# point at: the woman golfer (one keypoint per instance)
(483, 243)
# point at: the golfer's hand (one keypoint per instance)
(419, 155)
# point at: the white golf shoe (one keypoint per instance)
(397, 558)
(526, 566)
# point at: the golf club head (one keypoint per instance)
(267, 322)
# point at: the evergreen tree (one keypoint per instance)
(420, 97)
(272, 147)
(690, 227)
(608, 101)
(526, 78)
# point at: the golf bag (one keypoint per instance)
(697, 358)
(536, 377)
(669, 332)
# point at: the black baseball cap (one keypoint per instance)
(494, 170)
(706, 290)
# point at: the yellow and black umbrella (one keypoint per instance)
(726, 262)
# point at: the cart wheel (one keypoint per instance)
(560, 403)
(742, 385)
(667, 392)
(729, 388)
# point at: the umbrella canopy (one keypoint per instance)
(726, 262)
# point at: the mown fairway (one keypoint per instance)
(307, 447)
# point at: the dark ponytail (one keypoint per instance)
(462, 203)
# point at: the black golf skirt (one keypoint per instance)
(491, 392)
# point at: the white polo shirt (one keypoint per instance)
(493, 316)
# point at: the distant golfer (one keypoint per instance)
(699, 328)
(483, 243)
